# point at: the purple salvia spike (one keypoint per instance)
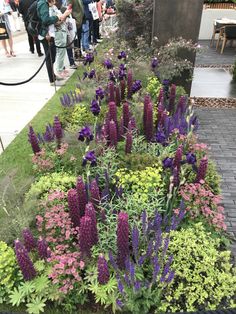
(141, 260)
(85, 241)
(33, 140)
(157, 221)
(137, 285)
(129, 84)
(156, 268)
(113, 133)
(158, 240)
(149, 249)
(128, 142)
(165, 246)
(166, 269)
(103, 270)
(24, 261)
(132, 271)
(135, 241)
(118, 97)
(29, 240)
(126, 115)
(95, 193)
(149, 122)
(112, 261)
(82, 195)
(122, 89)
(90, 212)
(73, 205)
(202, 170)
(43, 249)
(170, 277)
(111, 91)
(122, 239)
(144, 222)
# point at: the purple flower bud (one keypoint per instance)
(191, 158)
(95, 108)
(113, 133)
(92, 74)
(29, 240)
(33, 140)
(100, 93)
(57, 129)
(112, 111)
(24, 261)
(120, 286)
(112, 76)
(202, 169)
(178, 157)
(128, 143)
(74, 209)
(85, 241)
(108, 64)
(95, 193)
(122, 239)
(135, 241)
(122, 89)
(137, 85)
(118, 98)
(176, 179)
(154, 63)
(103, 270)
(111, 91)
(126, 115)
(167, 162)
(82, 195)
(43, 249)
(90, 212)
(149, 122)
(129, 84)
(90, 156)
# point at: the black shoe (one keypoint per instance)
(32, 51)
(40, 54)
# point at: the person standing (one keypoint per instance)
(15, 14)
(87, 21)
(5, 10)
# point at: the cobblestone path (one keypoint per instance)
(218, 130)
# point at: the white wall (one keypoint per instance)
(208, 16)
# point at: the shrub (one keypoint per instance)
(204, 277)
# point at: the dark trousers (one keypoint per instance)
(70, 56)
(77, 42)
(33, 41)
(96, 31)
(50, 54)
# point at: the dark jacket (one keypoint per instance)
(45, 18)
(77, 11)
(87, 13)
(24, 6)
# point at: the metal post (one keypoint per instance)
(1, 143)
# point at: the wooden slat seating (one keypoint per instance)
(227, 32)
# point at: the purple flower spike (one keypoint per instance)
(108, 64)
(57, 130)
(167, 162)
(90, 156)
(43, 249)
(135, 241)
(176, 179)
(147, 100)
(122, 89)
(149, 122)
(112, 109)
(118, 98)
(95, 193)
(191, 158)
(122, 239)
(82, 195)
(73, 205)
(178, 156)
(49, 135)
(33, 140)
(113, 133)
(112, 261)
(103, 270)
(24, 261)
(128, 143)
(90, 212)
(202, 170)
(111, 91)
(95, 108)
(85, 134)
(29, 240)
(154, 63)
(126, 115)
(85, 241)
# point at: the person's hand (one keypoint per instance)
(48, 37)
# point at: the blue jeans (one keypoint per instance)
(85, 35)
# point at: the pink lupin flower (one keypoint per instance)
(118, 97)
(128, 143)
(126, 115)
(113, 133)
(95, 193)
(112, 111)
(202, 169)
(122, 239)
(111, 91)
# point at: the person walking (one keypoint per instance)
(5, 11)
(44, 37)
(23, 10)
(87, 21)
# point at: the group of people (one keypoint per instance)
(66, 27)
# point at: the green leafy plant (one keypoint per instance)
(204, 277)
(153, 87)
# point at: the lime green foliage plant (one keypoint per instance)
(9, 272)
(204, 277)
(153, 87)
(54, 181)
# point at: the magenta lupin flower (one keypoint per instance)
(111, 91)
(112, 109)
(82, 195)
(129, 84)
(90, 212)
(73, 205)
(178, 156)
(122, 89)
(161, 95)
(43, 249)
(24, 261)
(122, 239)
(85, 242)
(181, 104)
(112, 133)
(29, 240)
(128, 143)
(147, 100)
(118, 97)
(103, 270)
(149, 122)
(126, 115)
(95, 193)
(202, 170)
(121, 129)
(33, 140)
(57, 130)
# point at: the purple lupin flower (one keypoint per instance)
(181, 107)
(161, 137)
(172, 98)
(149, 122)
(24, 261)
(29, 240)
(82, 195)
(191, 158)
(108, 64)
(122, 55)
(111, 91)
(202, 170)
(137, 85)
(33, 140)
(85, 231)
(112, 111)
(135, 241)
(95, 193)
(147, 100)
(74, 209)
(57, 130)
(178, 157)
(43, 249)
(90, 212)
(95, 108)
(113, 133)
(126, 115)
(121, 129)
(167, 162)
(122, 239)
(176, 179)
(128, 142)
(100, 93)
(154, 63)
(118, 98)
(129, 84)
(122, 89)
(103, 270)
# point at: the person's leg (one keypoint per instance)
(49, 59)
(70, 56)
(31, 42)
(38, 47)
(77, 43)
(10, 43)
(85, 35)
(4, 44)
(60, 41)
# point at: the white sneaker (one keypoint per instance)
(99, 40)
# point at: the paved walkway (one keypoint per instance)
(218, 129)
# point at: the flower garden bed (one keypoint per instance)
(128, 214)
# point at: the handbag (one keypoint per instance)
(93, 9)
(3, 29)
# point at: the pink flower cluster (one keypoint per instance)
(66, 269)
(42, 162)
(63, 149)
(201, 201)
